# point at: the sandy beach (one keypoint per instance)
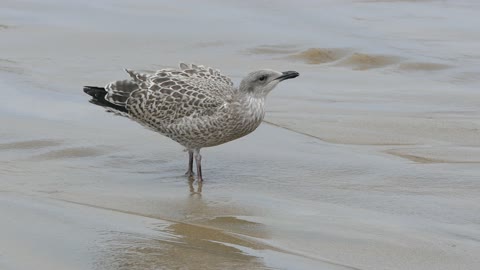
(369, 160)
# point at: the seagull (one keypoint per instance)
(194, 105)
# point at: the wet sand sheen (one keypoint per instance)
(227, 205)
(140, 243)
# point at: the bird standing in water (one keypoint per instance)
(194, 105)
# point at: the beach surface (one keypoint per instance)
(369, 160)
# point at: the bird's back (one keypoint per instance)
(195, 105)
(171, 94)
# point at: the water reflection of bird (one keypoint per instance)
(192, 189)
(195, 106)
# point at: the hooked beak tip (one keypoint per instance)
(288, 75)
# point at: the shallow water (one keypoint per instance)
(368, 160)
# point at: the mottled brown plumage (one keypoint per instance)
(195, 106)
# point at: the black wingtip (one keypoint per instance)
(95, 91)
(98, 98)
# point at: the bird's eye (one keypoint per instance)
(262, 78)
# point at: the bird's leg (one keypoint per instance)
(198, 161)
(190, 173)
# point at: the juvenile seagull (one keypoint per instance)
(195, 106)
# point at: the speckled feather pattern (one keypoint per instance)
(194, 105)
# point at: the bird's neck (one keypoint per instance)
(247, 113)
(253, 107)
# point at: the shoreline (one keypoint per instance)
(369, 160)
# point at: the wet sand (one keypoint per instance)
(369, 160)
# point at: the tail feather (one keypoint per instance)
(98, 97)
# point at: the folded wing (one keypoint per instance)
(171, 94)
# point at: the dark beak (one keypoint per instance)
(288, 75)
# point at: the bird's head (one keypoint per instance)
(259, 83)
